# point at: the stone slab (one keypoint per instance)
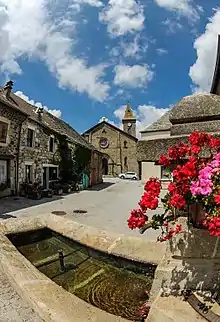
(172, 309)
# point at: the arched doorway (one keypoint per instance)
(104, 166)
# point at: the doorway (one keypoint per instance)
(50, 174)
(104, 166)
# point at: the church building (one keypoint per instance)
(119, 147)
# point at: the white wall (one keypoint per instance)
(149, 169)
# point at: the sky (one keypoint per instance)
(86, 59)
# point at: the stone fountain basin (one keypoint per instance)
(50, 301)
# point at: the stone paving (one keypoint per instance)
(108, 206)
(12, 307)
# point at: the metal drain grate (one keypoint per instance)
(59, 213)
(79, 211)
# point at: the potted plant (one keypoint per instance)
(58, 190)
(194, 191)
(3, 186)
(66, 188)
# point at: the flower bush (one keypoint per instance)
(196, 180)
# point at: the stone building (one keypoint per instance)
(118, 146)
(197, 112)
(29, 138)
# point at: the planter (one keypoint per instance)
(197, 215)
(58, 192)
(47, 193)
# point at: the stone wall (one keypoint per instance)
(191, 261)
(9, 150)
(115, 151)
(37, 155)
(19, 155)
(96, 168)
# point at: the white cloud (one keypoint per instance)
(185, 8)
(173, 25)
(129, 48)
(202, 70)
(133, 76)
(46, 33)
(122, 17)
(93, 3)
(161, 51)
(56, 113)
(145, 114)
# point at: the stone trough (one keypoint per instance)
(190, 261)
(49, 300)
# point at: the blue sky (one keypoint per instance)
(85, 59)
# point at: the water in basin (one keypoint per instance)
(113, 284)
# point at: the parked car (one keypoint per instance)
(128, 175)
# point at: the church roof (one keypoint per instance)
(196, 108)
(128, 112)
(100, 124)
(162, 124)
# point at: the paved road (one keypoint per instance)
(108, 206)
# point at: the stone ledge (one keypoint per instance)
(172, 309)
(133, 248)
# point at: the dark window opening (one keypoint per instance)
(125, 161)
(125, 144)
(28, 173)
(30, 138)
(3, 132)
(51, 144)
(53, 175)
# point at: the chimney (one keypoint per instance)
(39, 111)
(7, 88)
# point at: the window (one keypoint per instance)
(3, 132)
(103, 143)
(51, 144)
(125, 161)
(30, 138)
(28, 173)
(166, 173)
(53, 173)
(125, 144)
(3, 171)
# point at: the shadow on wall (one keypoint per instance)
(196, 265)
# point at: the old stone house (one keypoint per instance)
(119, 147)
(197, 112)
(29, 138)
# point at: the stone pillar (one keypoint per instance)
(191, 261)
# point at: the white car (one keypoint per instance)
(128, 175)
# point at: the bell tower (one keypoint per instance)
(129, 121)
